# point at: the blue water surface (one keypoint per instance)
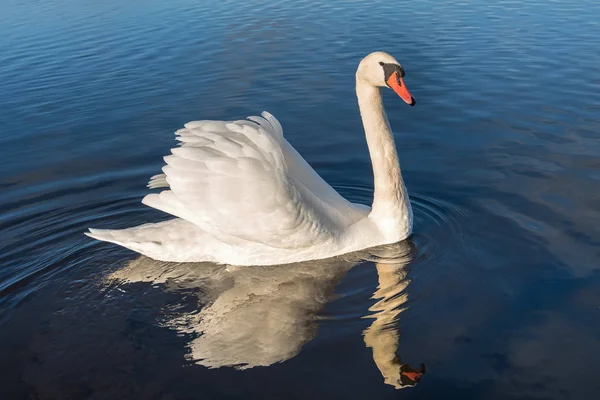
(497, 292)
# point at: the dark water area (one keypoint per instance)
(497, 291)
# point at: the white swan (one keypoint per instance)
(242, 195)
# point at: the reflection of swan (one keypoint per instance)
(244, 196)
(383, 335)
(262, 315)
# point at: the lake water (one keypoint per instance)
(497, 292)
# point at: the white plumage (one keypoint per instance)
(243, 195)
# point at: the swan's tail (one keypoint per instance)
(106, 235)
(135, 239)
(172, 240)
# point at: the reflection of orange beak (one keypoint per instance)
(398, 86)
(413, 376)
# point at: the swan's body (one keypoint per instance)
(242, 195)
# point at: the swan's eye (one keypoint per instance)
(381, 63)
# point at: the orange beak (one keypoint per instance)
(396, 82)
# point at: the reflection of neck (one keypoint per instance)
(390, 201)
(382, 336)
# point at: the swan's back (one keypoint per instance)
(242, 180)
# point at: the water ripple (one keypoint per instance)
(500, 157)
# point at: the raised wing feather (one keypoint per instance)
(232, 180)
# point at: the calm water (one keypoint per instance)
(497, 292)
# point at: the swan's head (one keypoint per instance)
(382, 70)
(404, 375)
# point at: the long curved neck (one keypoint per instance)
(391, 207)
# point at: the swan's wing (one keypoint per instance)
(232, 180)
